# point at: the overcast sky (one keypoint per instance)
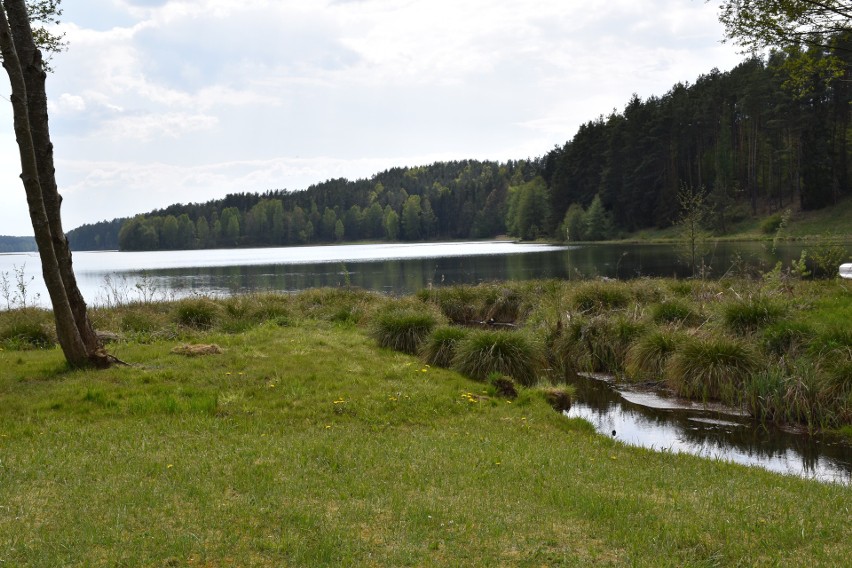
(175, 101)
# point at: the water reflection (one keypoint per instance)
(644, 418)
(400, 268)
(408, 275)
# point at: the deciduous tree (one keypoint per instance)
(25, 66)
(758, 24)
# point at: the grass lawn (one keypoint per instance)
(306, 445)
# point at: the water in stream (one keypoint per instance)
(646, 418)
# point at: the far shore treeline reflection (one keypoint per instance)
(399, 269)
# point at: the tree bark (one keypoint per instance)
(23, 64)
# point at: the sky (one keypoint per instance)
(158, 102)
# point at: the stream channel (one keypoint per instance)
(646, 417)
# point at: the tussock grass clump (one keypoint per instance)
(440, 347)
(501, 304)
(786, 338)
(647, 356)
(596, 344)
(647, 291)
(515, 354)
(457, 303)
(673, 311)
(196, 313)
(274, 308)
(597, 297)
(341, 305)
(681, 288)
(803, 393)
(484, 302)
(747, 316)
(27, 329)
(141, 321)
(831, 340)
(244, 312)
(567, 354)
(558, 398)
(504, 386)
(403, 329)
(713, 367)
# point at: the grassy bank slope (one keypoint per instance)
(832, 222)
(305, 445)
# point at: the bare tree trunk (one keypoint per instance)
(78, 340)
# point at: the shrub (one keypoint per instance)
(826, 258)
(403, 329)
(771, 224)
(440, 348)
(647, 356)
(504, 352)
(197, 313)
(711, 368)
(746, 316)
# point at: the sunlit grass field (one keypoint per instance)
(302, 443)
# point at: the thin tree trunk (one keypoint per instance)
(23, 64)
(66, 329)
(34, 76)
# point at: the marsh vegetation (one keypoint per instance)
(298, 426)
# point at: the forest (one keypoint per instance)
(768, 135)
(17, 244)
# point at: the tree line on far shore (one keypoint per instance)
(772, 133)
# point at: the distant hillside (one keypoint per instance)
(17, 244)
(743, 140)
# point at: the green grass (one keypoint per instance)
(307, 445)
(515, 354)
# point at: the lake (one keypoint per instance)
(107, 276)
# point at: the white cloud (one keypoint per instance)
(176, 100)
(152, 127)
(66, 103)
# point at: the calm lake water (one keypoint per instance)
(398, 268)
(642, 417)
(109, 277)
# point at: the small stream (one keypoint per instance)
(644, 417)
